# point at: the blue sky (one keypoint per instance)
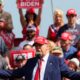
(47, 18)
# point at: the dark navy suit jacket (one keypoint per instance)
(55, 68)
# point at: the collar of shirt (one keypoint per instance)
(72, 27)
(43, 67)
(44, 61)
(45, 57)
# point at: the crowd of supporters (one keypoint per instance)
(64, 38)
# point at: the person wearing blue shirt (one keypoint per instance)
(66, 41)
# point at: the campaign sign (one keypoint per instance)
(27, 54)
(28, 3)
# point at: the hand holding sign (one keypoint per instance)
(19, 55)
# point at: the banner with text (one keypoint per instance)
(15, 53)
(28, 3)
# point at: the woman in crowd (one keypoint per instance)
(58, 22)
(31, 18)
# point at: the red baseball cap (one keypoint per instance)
(71, 12)
(41, 40)
(31, 10)
(66, 36)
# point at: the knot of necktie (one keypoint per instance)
(40, 63)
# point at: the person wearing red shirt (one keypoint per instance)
(58, 22)
(31, 18)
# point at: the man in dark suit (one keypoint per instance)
(52, 67)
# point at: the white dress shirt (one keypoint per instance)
(43, 66)
(21, 45)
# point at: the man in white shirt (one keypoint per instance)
(30, 36)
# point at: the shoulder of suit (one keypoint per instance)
(56, 59)
(32, 59)
(53, 56)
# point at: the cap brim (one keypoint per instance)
(64, 39)
(71, 14)
(36, 43)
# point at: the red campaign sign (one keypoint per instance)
(28, 3)
(15, 53)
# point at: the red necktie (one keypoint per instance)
(37, 74)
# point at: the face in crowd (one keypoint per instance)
(42, 45)
(31, 31)
(65, 43)
(58, 16)
(73, 64)
(30, 15)
(66, 39)
(4, 23)
(30, 34)
(71, 16)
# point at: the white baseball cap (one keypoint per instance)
(75, 61)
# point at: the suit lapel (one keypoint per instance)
(50, 66)
(31, 66)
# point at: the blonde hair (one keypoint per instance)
(58, 12)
